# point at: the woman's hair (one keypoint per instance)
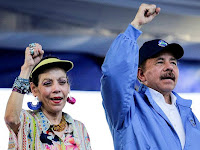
(35, 75)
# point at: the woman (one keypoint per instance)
(46, 126)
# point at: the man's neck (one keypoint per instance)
(166, 95)
(167, 98)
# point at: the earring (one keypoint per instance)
(71, 100)
(35, 105)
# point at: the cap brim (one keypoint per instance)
(175, 49)
(52, 62)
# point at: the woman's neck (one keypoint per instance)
(54, 118)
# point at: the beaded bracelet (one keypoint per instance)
(21, 85)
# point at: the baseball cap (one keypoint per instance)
(153, 47)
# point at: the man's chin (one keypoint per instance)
(168, 88)
(169, 82)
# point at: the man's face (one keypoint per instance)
(161, 73)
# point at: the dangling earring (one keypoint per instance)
(35, 105)
(70, 99)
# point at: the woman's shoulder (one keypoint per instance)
(29, 113)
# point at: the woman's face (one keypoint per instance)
(52, 90)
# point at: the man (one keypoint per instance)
(154, 117)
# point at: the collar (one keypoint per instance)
(45, 123)
(159, 98)
(179, 101)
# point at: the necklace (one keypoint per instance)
(61, 126)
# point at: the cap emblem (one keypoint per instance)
(162, 43)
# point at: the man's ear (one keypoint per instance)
(140, 75)
(34, 89)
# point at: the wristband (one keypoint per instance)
(21, 85)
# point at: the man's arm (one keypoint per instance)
(120, 70)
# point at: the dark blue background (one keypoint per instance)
(86, 73)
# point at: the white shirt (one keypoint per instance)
(171, 112)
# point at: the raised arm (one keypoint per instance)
(14, 105)
(146, 13)
(120, 70)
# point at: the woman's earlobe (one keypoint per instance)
(33, 88)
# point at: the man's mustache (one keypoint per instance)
(168, 75)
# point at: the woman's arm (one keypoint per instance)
(15, 101)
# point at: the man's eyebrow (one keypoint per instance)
(173, 59)
(159, 58)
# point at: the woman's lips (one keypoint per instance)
(56, 99)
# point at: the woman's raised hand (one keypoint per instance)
(33, 54)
